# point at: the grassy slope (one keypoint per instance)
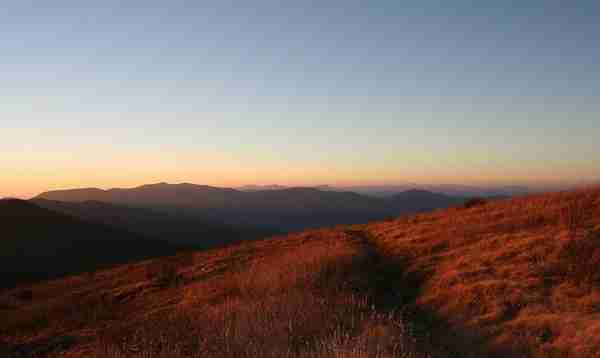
(510, 275)
(507, 278)
(306, 296)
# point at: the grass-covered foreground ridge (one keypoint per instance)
(516, 277)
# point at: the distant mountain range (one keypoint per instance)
(447, 189)
(273, 209)
(36, 243)
(281, 187)
(262, 187)
(390, 190)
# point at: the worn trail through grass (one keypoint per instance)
(322, 294)
(390, 289)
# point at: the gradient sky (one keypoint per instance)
(97, 93)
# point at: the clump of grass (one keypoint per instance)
(577, 261)
(165, 272)
(573, 216)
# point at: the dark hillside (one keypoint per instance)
(37, 243)
(181, 229)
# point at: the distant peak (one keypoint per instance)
(153, 185)
(417, 191)
(262, 187)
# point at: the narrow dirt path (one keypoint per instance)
(391, 290)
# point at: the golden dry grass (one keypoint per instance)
(520, 276)
(508, 278)
(303, 296)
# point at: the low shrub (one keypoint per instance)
(474, 202)
(165, 272)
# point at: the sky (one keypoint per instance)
(226, 93)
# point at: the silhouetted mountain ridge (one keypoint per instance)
(284, 209)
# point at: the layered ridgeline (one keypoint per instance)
(274, 209)
(45, 238)
(36, 243)
(512, 278)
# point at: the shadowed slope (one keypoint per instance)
(37, 243)
(183, 230)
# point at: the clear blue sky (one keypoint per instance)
(97, 93)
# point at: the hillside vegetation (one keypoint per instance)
(303, 296)
(510, 278)
(520, 276)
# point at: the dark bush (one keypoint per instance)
(473, 202)
(165, 272)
